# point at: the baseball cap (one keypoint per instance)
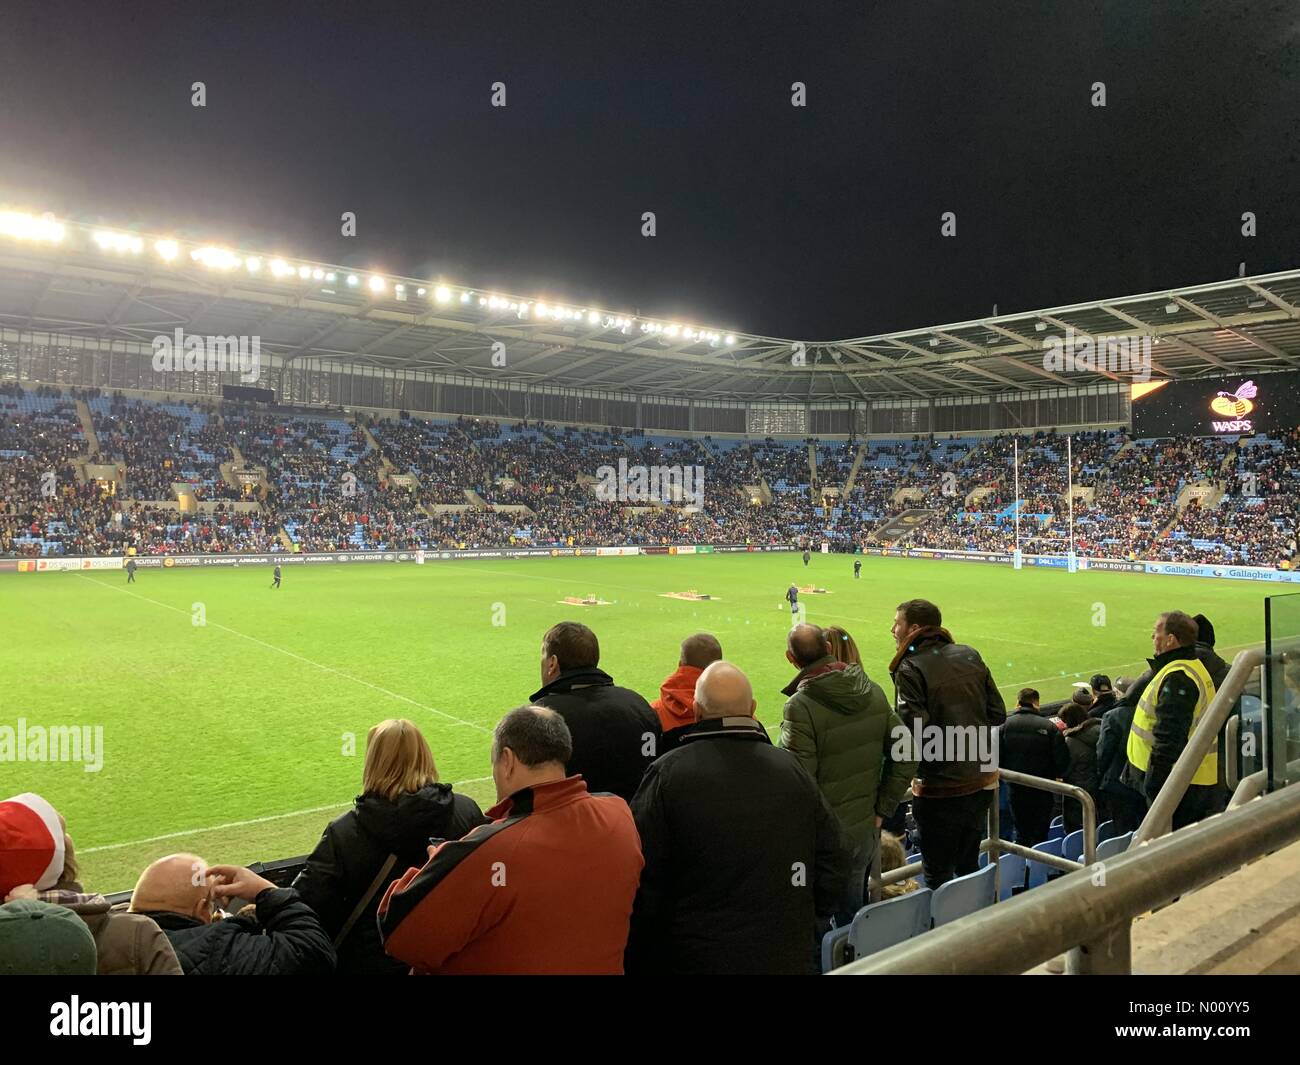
(41, 939)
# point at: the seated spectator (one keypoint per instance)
(547, 887)
(401, 806)
(41, 939)
(676, 703)
(615, 734)
(843, 646)
(181, 893)
(1081, 735)
(33, 833)
(892, 856)
(723, 820)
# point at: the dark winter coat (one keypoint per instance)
(354, 848)
(742, 852)
(286, 939)
(615, 733)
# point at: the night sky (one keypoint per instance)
(817, 222)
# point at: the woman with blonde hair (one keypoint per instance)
(842, 646)
(400, 809)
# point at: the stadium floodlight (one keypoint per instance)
(253, 264)
(593, 317)
(464, 297)
(215, 258)
(22, 226)
(304, 272)
(377, 283)
(1171, 308)
(168, 249)
(730, 339)
(419, 292)
(123, 242)
(331, 276)
(280, 268)
(442, 294)
(353, 280)
(318, 275)
(1040, 327)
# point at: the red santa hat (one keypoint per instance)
(31, 844)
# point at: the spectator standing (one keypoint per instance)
(401, 807)
(742, 851)
(1081, 735)
(676, 703)
(547, 887)
(941, 683)
(615, 735)
(1030, 743)
(838, 723)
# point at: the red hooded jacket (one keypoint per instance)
(676, 703)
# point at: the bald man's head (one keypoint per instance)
(700, 650)
(723, 691)
(806, 644)
(175, 884)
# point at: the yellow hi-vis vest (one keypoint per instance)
(1140, 739)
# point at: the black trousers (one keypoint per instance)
(951, 831)
(1032, 810)
(1126, 811)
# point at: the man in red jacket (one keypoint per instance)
(676, 703)
(547, 887)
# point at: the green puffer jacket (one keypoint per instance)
(840, 725)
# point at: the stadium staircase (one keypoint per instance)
(370, 439)
(853, 470)
(474, 499)
(893, 531)
(812, 465)
(87, 427)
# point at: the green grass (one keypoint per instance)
(230, 739)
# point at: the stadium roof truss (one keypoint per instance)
(77, 288)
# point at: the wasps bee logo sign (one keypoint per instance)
(1235, 406)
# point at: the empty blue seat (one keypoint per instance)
(1057, 831)
(1038, 872)
(890, 921)
(1011, 876)
(1114, 847)
(1105, 830)
(961, 896)
(835, 949)
(1072, 846)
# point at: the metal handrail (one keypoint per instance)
(1033, 927)
(1160, 817)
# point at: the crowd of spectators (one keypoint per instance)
(330, 489)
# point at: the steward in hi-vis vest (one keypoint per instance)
(1167, 714)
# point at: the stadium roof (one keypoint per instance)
(84, 281)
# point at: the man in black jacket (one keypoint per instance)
(741, 850)
(1127, 807)
(1031, 743)
(946, 685)
(616, 734)
(181, 892)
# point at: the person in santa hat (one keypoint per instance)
(38, 862)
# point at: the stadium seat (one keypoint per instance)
(1114, 847)
(882, 924)
(1072, 846)
(1057, 831)
(1104, 831)
(1011, 876)
(835, 949)
(1038, 872)
(961, 896)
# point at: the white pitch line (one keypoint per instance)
(238, 824)
(292, 654)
